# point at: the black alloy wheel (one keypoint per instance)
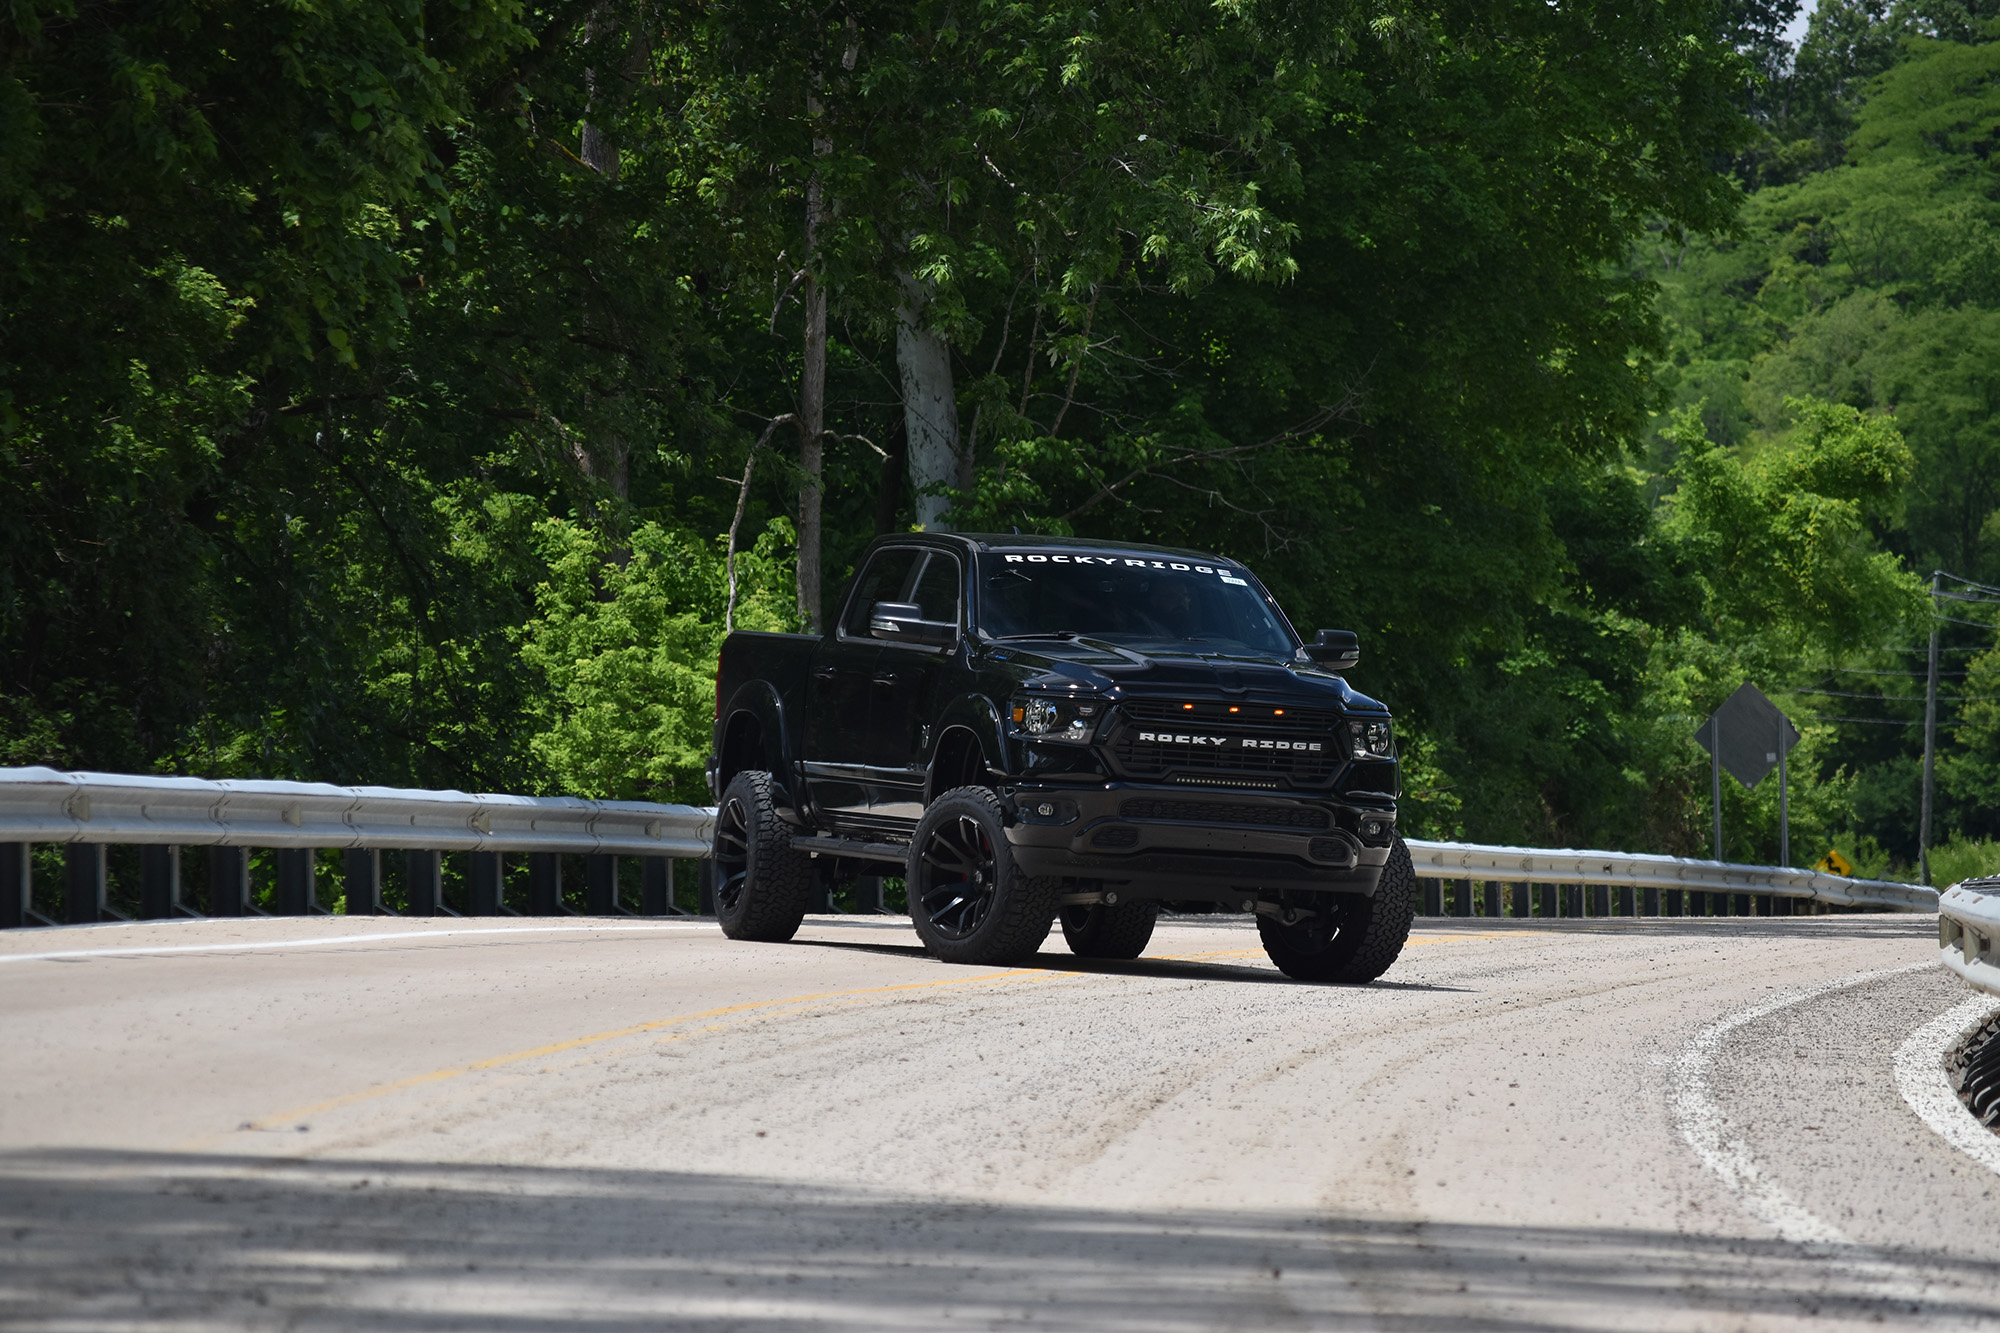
(762, 883)
(962, 872)
(731, 854)
(968, 899)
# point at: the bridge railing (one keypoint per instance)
(88, 812)
(1468, 879)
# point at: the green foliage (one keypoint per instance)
(376, 382)
(1964, 858)
(626, 642)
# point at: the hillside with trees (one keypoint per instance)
(412, 393)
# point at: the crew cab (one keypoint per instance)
(1030, 729)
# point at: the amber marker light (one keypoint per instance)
(1187, 707)
(1234, 709)
(1277, 712)
(1020, 714)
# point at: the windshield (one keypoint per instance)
(1128, 600)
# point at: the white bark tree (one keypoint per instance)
(930, 407)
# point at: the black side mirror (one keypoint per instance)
(1339, 649)
(903, 622)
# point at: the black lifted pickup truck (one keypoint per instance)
(1030, 728)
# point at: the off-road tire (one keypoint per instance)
(969, 900)
(1119, 931)
(1355, 939)
(762, 884)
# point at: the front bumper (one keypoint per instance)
(1199, 843)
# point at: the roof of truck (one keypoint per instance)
(1022, 541)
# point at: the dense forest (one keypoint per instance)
(410, 392)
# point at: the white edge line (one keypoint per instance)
(1715, 1140)
(1920, 1077)
(385, 937)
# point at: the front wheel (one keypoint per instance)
(1350, 939)
(762, 884)
(970, 902)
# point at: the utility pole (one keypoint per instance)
(1930, 742)
(1715, 780)
(1784, 801)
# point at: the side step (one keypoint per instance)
(897, 852)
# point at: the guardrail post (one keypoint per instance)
(600, 884)
(1652, 903)
(17, 884)
(159, 883)
(1520, 899)
(868, 894)
(83, 866)
(1461, 903)
(485, 884)
(707, 887)
(361, 868)
(426, 882)
(297, 893)
(1433, 895)
(1697, 902)
(656, 886)
(228, 881)
(545, 884)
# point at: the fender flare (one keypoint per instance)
(980, 717)
(761, 702)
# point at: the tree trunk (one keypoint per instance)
(607, 458)
(930, 407)
(812, 402)
(889, 490)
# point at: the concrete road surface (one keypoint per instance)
(525, 1124)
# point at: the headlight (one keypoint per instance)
(1057, 719)
(1371, 740)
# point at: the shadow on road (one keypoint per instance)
(1174, 969)
(105, 1239)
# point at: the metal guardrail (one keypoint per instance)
(1654, 876)
(1969, 932)
(88, 811)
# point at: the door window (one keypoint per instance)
(936, 593)
(882, 581)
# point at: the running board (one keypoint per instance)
(865, 851)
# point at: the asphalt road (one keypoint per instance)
(500, 1125)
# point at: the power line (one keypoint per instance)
(1968, 583)
(1901, 698)
(1865, 721)
(1869, 671)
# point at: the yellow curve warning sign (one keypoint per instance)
(1833, 863)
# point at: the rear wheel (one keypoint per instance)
(1118, 931)
(971, 903)
(1349, 938)
(762, 885)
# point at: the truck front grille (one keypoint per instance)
(1205, 812)
(1258, 745)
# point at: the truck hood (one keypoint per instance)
(1151, 671)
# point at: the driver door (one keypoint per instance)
(841, 744)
